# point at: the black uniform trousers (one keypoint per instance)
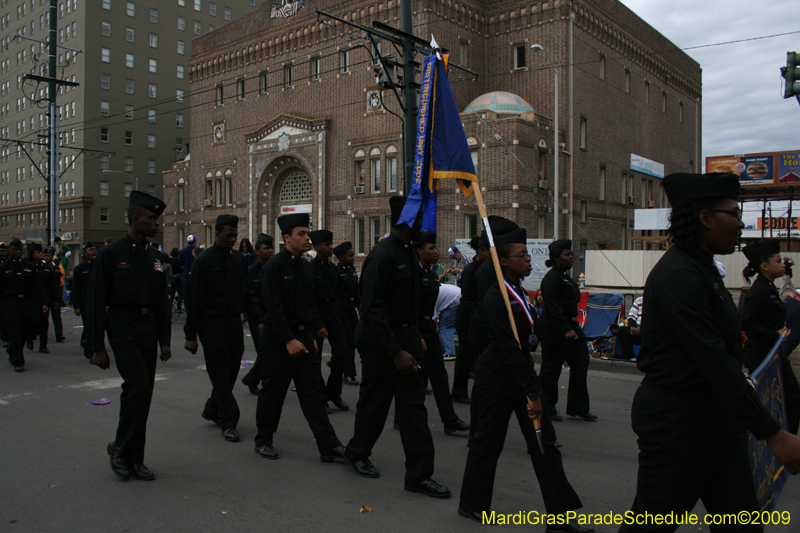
(627, 341)
(278, 369)
(349, 318)
(576, 354)
(134, 342)
(223, 346)
(464, 363)
(339, 352)
(20, 319)
(436, 373)
(380, 383)
(87, 348)
(253, 376)
(57, 323)
(478, 340)
(690, 448)
(492, 416)
(43, 325)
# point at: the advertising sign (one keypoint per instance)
(302, 208)
(759, 170)
(651, 219)
(536, 247)
(646, 166)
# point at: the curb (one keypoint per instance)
(614, 366)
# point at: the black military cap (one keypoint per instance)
(265, 240)
(320, 236)
(89, 244)
(36, 247)
(2, 245)
(49, 250)
(15, 243)
(501, 225)
(561, 244)
(342, 248)
(396, 204)
(682, 188)
(515, 236)
(428, 237)
(226, 220)
(293, 220)
(754, 252)
(148, 201)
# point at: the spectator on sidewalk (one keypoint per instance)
(459, 262)
(185, 258)
(445, 310)
(787, 286)
(631, 334)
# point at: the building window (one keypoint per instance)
(129, 58)
(197, 5)
(584, 126)
(627, 81)
(375, 231)
(128, 189)
(129, 112)
(105, 55)
(151, 190)
(228, 11)
(647, 92)
(104, 135)
(181, 199)
(601, 181)
(228, 191)
(391, 171)
(179, 120)
(153, 65)
(181, 72)
(151, 116)
(315, 68)
(359, 236)
(129, 34)
(197, 27)
(129, 86)
(264, 82)
(179, 95)
(152, 90)
(105, 28)
(583, 210)
(128, 164)
(519, 56)
(105, 81)
(181, 23)
(131, 9)
(151, 166)
(129, 138)
(212, 9)
(663, 101)
(151, 141)
(103, 188)
(240, 89)
(470, 226)
(375, 174)
(153, 15)
(680, 111)
(104, 214)
(344, 61)
(153, 40)
(602, 72)
(103, 163)
(218, 192)
(220, 95)
(627, 189)
(288, 75)
(107, 5)
(181, 47)
(104, 107)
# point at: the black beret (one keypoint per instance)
(15, 243)
(36, 247)
(89, 244)
(293, 220)
(149, 202)
(561, 244)
(428, 237)
(266, 240)
(320, 236)
(396, 204)
(515, 236)
(755, 251)
(682, 188)
(226, 220)
(342, 248)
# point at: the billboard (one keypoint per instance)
(759, 170)
(536, 247)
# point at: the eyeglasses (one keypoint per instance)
(523, 255)
(732, 212)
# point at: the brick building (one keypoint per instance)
(284, 117)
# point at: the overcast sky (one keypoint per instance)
(743, 107)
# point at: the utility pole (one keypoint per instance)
(52, 112)
(411, 105)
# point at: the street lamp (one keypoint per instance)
(135, 179)
(556, 202)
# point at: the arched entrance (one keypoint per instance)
(286, 187)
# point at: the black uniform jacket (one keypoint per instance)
(218, 288)
(80, 284)
(470, 299)
(19, 280)
(561, 298)
(428, 294)
(506, 367)
(254, 280)
(288, 289)
(762, 316)
(390, 295)
(50, 277)
(691, 337)
(326, 287)
(127, 279)
(348, 287)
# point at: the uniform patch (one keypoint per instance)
(158, 266)
(401, 266)
(123, 265)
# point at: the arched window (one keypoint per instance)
(296, 187)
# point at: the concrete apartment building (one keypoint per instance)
(133, 100)
(286, 118)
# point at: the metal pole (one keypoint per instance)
(52, 148)
(409, 94)
(556, 150)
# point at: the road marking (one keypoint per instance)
(102, 384)
(4, 399)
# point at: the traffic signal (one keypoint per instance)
(791, 72)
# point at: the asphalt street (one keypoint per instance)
(56, 475)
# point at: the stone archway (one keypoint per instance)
(286, 185)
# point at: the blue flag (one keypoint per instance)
(441, 149)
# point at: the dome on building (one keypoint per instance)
(500, 102)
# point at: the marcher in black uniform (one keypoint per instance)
(265, 249)
(291, 325)
(390, 345)
(218, 294)
(80, 291)
(764, 320)
(128, 300)
(55, 311)
(348, 303)
(3, 327)
(50, 279)
(326, 293)
(693, 406)
(506, 383)
(562, 337)
(24, 299)
(433, 364)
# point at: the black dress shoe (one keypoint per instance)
(571, 527)
(328, 409)
(350, 381)
(466, 512)
(459, 425)
(395, 426)
(139, 471)
(557, 445)
(428, 391)
(62, 339)
(589, 417)
(428, 487)
(362, 467)
(556, 417)
(44, 349)
(208, 417)
(268, 452)
(462, 400)
(231, 435)
(340, 404)
(30, 344)
(118, 464)
(252, 388)
(19, 368)
(336, 453)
